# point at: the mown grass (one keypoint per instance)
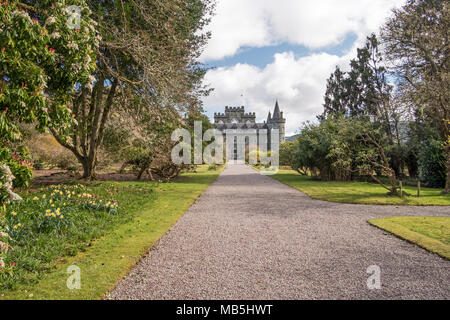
(360, 192)
(107, 252)
(431, 233)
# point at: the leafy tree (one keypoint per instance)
(416, 42)
(147, 53)
(286, 152)
(364, 93)
(312, 149)
(362, 147)
(431, 161)
(41, 61)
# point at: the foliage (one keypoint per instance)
(54, 222)
(42, 60)
(416, 43)
(286, 153)
(312, 148)
(431, 160)
(361, 146)
(20, 164)
(157, 71)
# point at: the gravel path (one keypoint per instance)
(251, 237)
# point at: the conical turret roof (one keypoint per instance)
(276, 112)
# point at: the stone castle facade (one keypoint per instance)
(236, 118)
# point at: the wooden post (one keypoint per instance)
(418, 188)
(401, 189)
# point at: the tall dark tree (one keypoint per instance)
(336, 94)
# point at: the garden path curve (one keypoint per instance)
(251, 237)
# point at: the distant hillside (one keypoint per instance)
(292, 138)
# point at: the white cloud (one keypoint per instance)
(298, 83)
(314, 24)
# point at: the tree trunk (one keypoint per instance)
(447, 180)
(88, 132)
(88, 168)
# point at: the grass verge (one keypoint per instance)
(110, 257)
(360, 192)
(431, 233)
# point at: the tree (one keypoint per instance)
(362, 146)
(335, 100)
(147, 52)
(41, 60)
(416, 42)
(312, 149)
(39, 64)
(365, 93)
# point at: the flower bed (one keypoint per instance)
(49, 224)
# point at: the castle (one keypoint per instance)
(236, 118)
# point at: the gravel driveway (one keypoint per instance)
(251, 237)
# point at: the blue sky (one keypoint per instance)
(263, 50)
(261, 57)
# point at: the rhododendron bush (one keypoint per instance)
(42, 60)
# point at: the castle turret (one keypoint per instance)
(278, 122)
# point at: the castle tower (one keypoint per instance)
(277, 121)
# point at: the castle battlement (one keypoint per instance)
(237, 117)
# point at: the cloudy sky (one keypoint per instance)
(263, 50)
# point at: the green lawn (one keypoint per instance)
(103, 244)
(431, 233)
(360, 192)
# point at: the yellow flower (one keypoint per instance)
(43, 196)
(19, 225)
(52, 205)
(51, 201)
(35, 198)
(62, 217)
(14, 213)
(15, 227)
(48, 210)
